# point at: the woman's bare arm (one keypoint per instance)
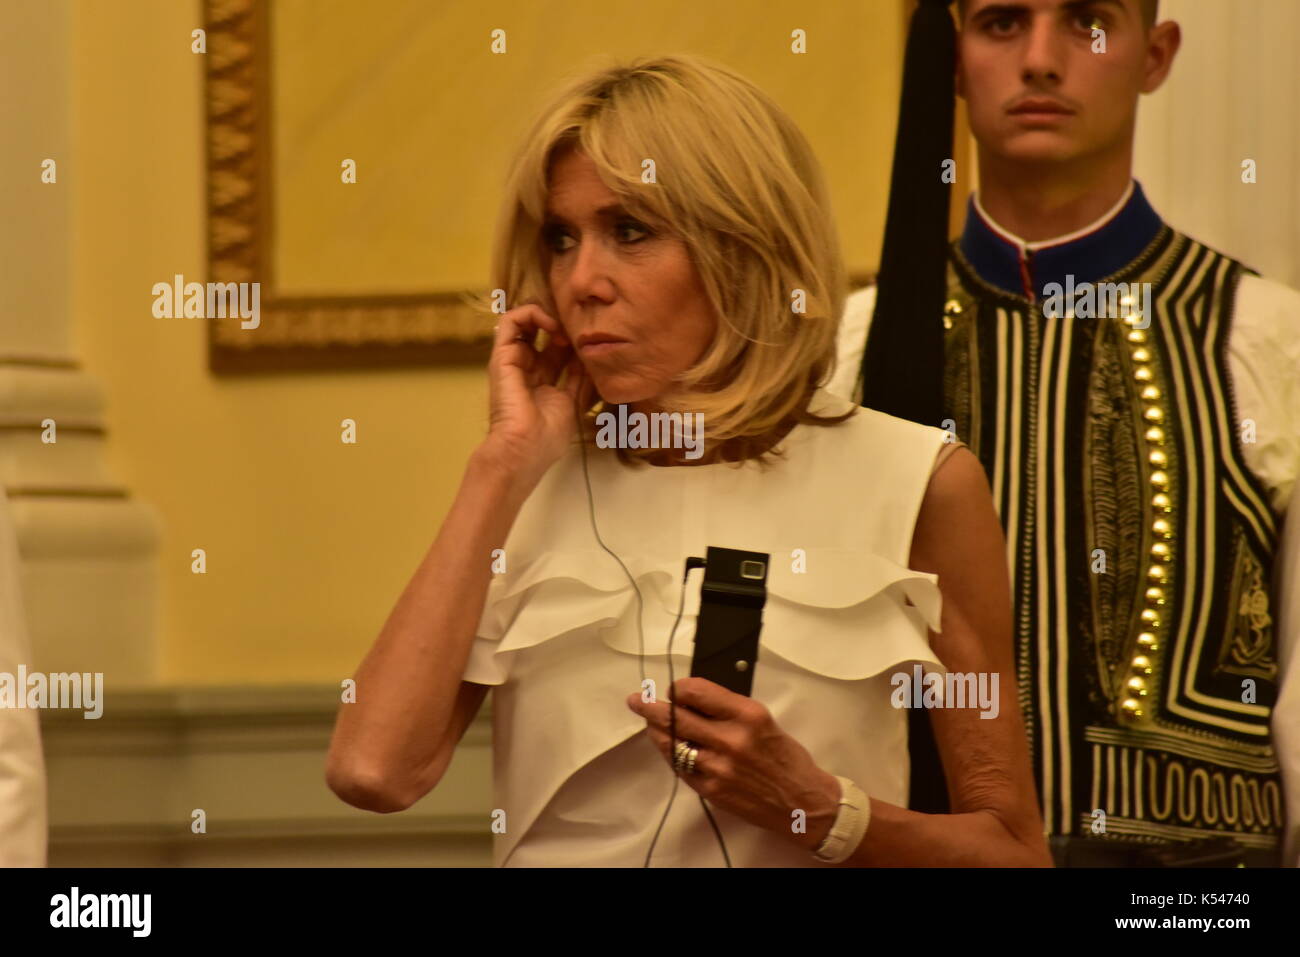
(392, 745)
(388, 748)
(995, 818)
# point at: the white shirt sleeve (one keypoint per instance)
(23, 812)
(1264, 363)
(851, 343)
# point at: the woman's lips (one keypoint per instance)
(605, 347)
(596, 344)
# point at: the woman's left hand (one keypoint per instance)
(747, 765)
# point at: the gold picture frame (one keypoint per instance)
(295, 332)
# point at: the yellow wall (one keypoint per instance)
(430, 115)
(309, 541)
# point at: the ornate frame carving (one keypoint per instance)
(302, 333)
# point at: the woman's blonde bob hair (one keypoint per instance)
(699, 153)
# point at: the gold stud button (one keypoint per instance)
(1157, 458)
(1156, 595)
(1155, 434)
(1143, 664)
(1136, 335)
(1141, 355)
(1160, 550)
(1162, 502)
(1160, 480)
(1150, 393)
(1153, 413)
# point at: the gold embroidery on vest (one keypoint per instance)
(1247, 649)
(1204, 798)
(1113, 498)
(1129, 659)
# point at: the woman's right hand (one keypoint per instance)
(531, 417)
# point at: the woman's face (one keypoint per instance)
(630, 301)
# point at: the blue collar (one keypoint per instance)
(1102, 249)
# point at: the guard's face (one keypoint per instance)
(612, 276)
(1034, 87)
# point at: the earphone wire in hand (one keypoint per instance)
(672, 705)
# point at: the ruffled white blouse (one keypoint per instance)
(578, 779)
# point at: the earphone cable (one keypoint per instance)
(672, 705)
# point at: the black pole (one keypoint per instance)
(902, 365)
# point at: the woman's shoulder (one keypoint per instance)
(878, 435)
(947, 452)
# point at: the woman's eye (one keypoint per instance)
(633, 225)
(1090, 22)
(553, 236)
(626, 231)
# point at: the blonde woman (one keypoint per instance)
(668, 232)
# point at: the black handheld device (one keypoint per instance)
(731, 617)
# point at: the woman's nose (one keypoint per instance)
(591, 269)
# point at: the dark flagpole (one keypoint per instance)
(902, 366)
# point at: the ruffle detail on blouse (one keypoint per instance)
(853, 614)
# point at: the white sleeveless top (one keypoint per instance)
(579, 780)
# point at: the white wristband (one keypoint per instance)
(850, 825)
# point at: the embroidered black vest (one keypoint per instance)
(1141, 546)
